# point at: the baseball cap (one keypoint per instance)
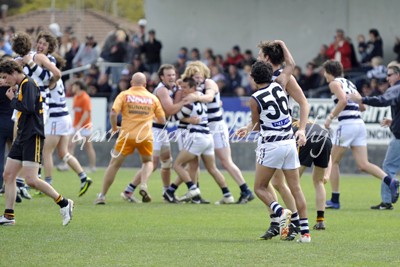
(142, 22)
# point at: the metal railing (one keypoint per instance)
(101, 64)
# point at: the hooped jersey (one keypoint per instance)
(57, 102)
(170, 93)
(275, 120)
(42, 77)
(214, 110)
(351, 113)
(196, 109)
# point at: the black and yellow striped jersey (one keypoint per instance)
(28, 103)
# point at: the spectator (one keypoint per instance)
(396, 49)
(367, 90)
(233, 80)
(65, 44)
(180, 65)
(234, 57)
(208, 55)
(340, 50)
(300, 77)
(71, 53)
(378, 70)
(362, 48)
(152, 52)
(139, 38)
(194, 55)
(249, 59)
(321, 57)
(183, 51)
(5, 46)
(374, 45)
(353, 56)
(104, 88)
(137, 66)
(87, 53)
(118, 54)
(219, 61)
(247, 80)
(383, 85)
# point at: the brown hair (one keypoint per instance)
(21, 43)
(50, 39)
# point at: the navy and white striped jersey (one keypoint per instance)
(214, 111)
(57, 102)
(275, 120)
(170, 92)
(196, 109)
(351, 113)
(42, 77)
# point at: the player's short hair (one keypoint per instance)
(333, 67)
(273, 50)
(21, 43)
(80, 84)
(261, 72)
(164, 67)
(9, 66)
(191, 82)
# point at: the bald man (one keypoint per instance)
(138, 108)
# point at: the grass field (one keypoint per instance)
(160, 234)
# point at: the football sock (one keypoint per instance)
(295, 219)
(320, 215)
(130, 188)
(20, 182)
(172, 188)
(225, 192)
(304, 226)
(82, 176)
(335, 197)
(61, 201)
(276, 208)
(244, 188)
(190, 185)
(9, 214)
(387, 180)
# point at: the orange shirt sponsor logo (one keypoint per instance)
(138, 108)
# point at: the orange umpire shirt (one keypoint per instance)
(81, 104)
(138, 108)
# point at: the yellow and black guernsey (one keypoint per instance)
(28, 103)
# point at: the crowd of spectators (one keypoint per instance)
(141, 51)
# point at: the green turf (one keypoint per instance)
(160, 234)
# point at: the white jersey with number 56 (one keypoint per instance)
(275, 120)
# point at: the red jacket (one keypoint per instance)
(345, 51)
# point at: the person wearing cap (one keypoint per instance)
(88, 52)
(139, 38)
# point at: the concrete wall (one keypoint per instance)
(242, 154)
(303, 24)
